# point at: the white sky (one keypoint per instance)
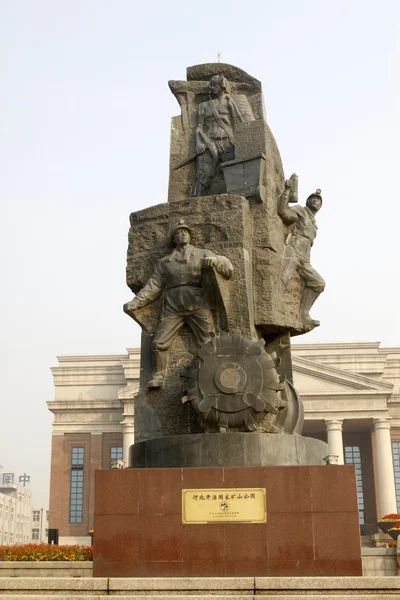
(84, 140)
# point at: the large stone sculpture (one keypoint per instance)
(217, 311)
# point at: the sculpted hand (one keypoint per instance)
(201, 149)
(132, 305)
(209, 262)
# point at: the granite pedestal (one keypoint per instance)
(312, 525)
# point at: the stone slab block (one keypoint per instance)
(326, 583)
(49, 584)
(54, 594)
(23, 568)
(353, 595)
(181, 583)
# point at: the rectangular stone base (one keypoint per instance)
(312, 526)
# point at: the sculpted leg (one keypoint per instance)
(160, 366)
(201, 325)
(205, 169)
(168, 329)
(314, 285)
(307, 300)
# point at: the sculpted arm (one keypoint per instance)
(200, 143)
(221, 264)
(151, 290)
(287, 214)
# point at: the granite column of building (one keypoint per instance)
(384, 474)
(334, 429)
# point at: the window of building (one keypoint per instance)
(116, 452)
(35, 535)
(47, 516)
(76, 492)
(36, 515)
(352, 456)
(396, 467)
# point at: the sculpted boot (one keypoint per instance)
(160, 365)
(307, 300)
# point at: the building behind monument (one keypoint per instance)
(20, 521)
(349, 390)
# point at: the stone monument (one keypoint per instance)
(222, 280)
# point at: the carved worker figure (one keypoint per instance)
(215, 132)
(298, 247)
(179, 277)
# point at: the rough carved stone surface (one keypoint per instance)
(222, 148)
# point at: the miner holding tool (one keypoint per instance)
(298, 246)
(214, 134)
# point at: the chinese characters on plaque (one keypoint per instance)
(224, 506)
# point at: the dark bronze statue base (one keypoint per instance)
(228, 450)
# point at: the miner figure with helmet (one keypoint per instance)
(179, 277)
(215, 133)
(298, 246)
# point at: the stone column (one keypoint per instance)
(335, 439)
(384, 474)
(128, 429)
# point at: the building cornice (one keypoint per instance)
(334, 375)
(336, 346)
(129, 391)
(67, 406)
(316, 415)
(89, 357)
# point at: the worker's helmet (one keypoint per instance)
(180, 225)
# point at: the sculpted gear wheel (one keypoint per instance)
(233, 383)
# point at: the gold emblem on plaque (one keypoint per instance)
(227, 505)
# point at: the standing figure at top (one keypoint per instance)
(215, 141)
(298, 246)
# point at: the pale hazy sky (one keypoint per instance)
(84, 140)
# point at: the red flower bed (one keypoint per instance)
(41, 552)
(390, 517)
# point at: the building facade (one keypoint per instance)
(351, 396)
(15, 511)
(40, 524)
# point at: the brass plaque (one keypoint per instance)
(228, 505)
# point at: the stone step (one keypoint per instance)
(200, 588)
(316, 595)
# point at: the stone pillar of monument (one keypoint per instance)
(385, 486)
(334, 429)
